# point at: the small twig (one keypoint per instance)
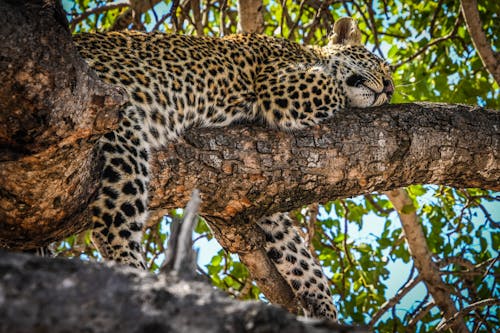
(371, 200)
(424, 310)
(97, 10)
(405, 289)
(161, 21)
(222, 21)
(175, 23)
(424, 48)
(284, 10)
(299, 15)
(456, 261)
(434, 17)
(445, 324)
(202, 272)
(490, 263)
(373, 24)
(316, 21)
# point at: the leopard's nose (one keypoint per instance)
(388, 87)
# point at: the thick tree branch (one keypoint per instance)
(357, 151)
(490, 59)
(62, 295)
(422, 258)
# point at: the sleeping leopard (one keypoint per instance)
(175, 82)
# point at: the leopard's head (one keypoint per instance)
(365, 78)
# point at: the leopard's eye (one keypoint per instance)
(355, 80)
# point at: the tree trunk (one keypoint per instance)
(53, 110)
(250, 13)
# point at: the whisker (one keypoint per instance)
(408, 84)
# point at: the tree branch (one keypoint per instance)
(63, 295)
(357, 151)
(490, 59)
(445, 324)
(405, 289)
(96, 10)
(133, 14)
(422, 257)
(420, 314)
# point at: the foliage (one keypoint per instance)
(360, 240)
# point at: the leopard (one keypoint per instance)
(175, 82)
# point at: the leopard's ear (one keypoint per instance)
(345, 32)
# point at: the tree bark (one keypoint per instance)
(62, 295)
(53, 109)
(357, 151)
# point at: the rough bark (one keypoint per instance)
(422, 257)
(52, 112)
(62, 295)
(358, 151)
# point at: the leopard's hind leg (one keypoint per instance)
(119, 212)
(289, 253)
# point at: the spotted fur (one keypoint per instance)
(175, 82)
(287, 250)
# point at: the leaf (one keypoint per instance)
(408, 209)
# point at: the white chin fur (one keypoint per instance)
(364, 98)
